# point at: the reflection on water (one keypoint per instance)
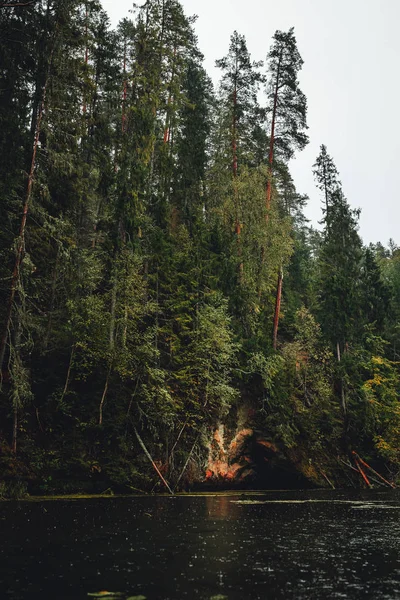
(221, 507)
(273, 545)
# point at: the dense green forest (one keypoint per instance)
(158, 276)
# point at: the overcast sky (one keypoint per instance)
(351, 52)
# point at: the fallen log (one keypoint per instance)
(147, 453)
(186, 463)
(365, 464)
(327, 479)
(363, 475)
(348, 465)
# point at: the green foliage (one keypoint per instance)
(144, 291)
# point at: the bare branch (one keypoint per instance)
(17, 4)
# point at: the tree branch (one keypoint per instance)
(17, 4)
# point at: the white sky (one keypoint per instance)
(351, 52)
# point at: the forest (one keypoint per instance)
(163, 296)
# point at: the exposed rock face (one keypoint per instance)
(225, 461)
(234, 454)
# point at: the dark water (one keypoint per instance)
(286, 545)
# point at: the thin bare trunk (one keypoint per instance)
(125, 329)
(268, 200)
(52, 300)
(17, 398)
(365, 464)
(186, 463)
(84, 107)
(124, 93)
(157, 315)
(342, 392)
(19, 254)
(128, 412)
(324, 475)
(15, 430)
(104, 395)
(111, 346)
(363, 475)
(98, 210)
(358, 472)
(278, 301)
(272, 138)
(112, 313)
(178, 438)
(326, 190)
(38, 419)
(238, 227)
(67, 379)
(147, 453)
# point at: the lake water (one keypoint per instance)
(268, 545)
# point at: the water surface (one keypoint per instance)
(298, 545)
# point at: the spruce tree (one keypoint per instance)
(339, 278)
(238, 89)
(326, 177)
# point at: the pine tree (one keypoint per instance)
(288, 109)
(287, 103)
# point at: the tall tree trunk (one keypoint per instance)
(238, 227)
(278, 301)
(342, 392)
(68, 377)
(168, 138)
(112, 313)
(326, 191)
(104, 395)
(17, 399)
(278, 297)
(52, 300)
(15, 430)
(19, 254)
(124, 92)
(84, 107)
(111, 346)
(147, 453)
(186, 462)
(272, 137)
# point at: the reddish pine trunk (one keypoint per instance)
(278, 298)
(363, 475)
(278, 301)
(365, 464)
(21, 240)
